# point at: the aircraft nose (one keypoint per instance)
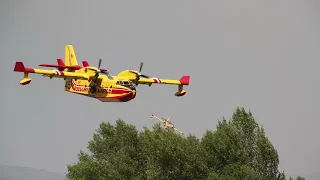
(129, 96)
(132, 88)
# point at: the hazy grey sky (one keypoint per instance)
(263, 55)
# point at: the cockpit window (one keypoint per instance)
(124, 83)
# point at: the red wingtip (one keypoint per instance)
(85, 63)
(185, 80)
(19, 67)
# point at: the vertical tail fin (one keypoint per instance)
(70, 57)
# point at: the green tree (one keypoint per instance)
(115, 153)
(170, 156)
(242, 141)
(240, 171)
(120, 152)
(237, 149)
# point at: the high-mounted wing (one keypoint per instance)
(178, 130)
(138, 78)
(154, 116)
(19, 67)
(184, 80)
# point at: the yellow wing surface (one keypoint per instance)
(184, 80)
(178, 130)
(154, 116)
(19, 67)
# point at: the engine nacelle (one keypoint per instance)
(25, 81)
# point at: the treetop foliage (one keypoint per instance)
(237, 149)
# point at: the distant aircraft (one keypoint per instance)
(167, 123)
(96, 82)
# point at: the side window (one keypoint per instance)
(119, 83)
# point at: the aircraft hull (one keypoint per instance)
(115, 94)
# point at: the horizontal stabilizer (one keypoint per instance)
(61, 66)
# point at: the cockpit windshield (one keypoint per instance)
(124, 83)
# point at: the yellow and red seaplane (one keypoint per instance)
(96, 82)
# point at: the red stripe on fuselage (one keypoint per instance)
(119, 91)
(100, 90)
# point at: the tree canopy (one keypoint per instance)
(237, 149)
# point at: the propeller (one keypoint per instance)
(138, 74)
(98, 71)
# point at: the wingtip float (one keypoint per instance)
(96, 82)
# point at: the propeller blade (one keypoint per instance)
(99, 63)
(145, 76)
(141, 65)
(139, 74)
